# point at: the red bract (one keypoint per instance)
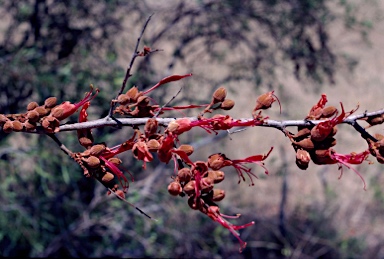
(166, 80)
(214, 213)
(116, 171)
(317, 108)
(84, 135)
(218, 161)
(352, 158)
(67, 108)
(322, 130)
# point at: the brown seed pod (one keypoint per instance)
(188, 149)
(174, 188)
(17, 125)
(32, 105)
(97, 149)
(219, 95)
(217, 176)
(189, 188)
(50, 102)
(184, 175)
(107, 177)
(8, 126)
(227, 104)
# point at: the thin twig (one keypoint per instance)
(162, 107)
(128, 72)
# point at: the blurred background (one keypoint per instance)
(298, 48)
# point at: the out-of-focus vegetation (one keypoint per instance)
(57, 48)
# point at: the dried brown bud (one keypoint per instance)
(188, 149)
(227, 104)
(123, 99)
(33, 116)
(133, 93)
(17, 125)
(217, 176)
(85, 142)
(57, 112)
(115, 160)
(92, 161)
(50, 102)
(97, 149)
(3, 119)
(150, 127)
(216, 161)
(328, 111)
(184, 175)
(218, 195)
(174, 188)
(107, 177)
(219, 95)
(41, 110)
(32, 105)
(143, 101)
(206, 184)
(153, 145)
(8, 127)
(189, 188)
(120, 193)
(302, 159)
(29, 126)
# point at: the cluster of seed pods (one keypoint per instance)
(48, 115)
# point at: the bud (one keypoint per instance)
(227, 104)
(218, 195)
(216, 161)
(8, 126)
(85, 142)
(184, 175)
(189, 188)
(188, 149)
(97, 149)
(123, 99)
(120, 193)
(32, 105)
(302, 159)
(132, 93)
(115, 160)
(219, 95)
(50, 102)
(3, 119)
(92, 161)
(29, 126)
(33, 116)
(57, 112)
(107, 177)
(150, 127)
(217, 176)
(17, 125)
(143, 101)
(153, 145)
(206, 185)
(41, 110)
(174, 188)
